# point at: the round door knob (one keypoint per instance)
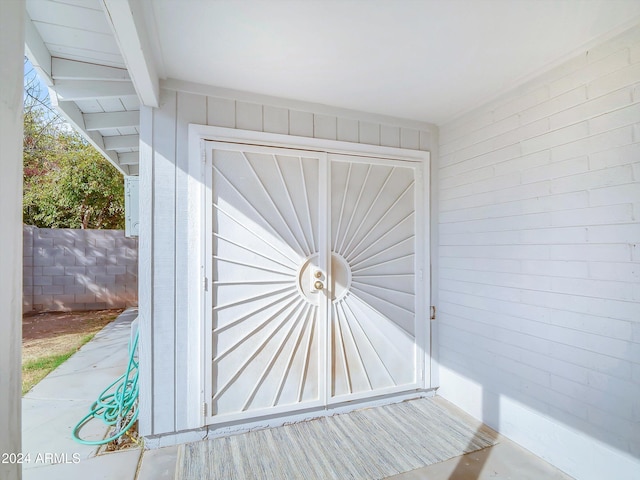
(318, 285)
(318, 274)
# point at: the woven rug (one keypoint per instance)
(366, 444)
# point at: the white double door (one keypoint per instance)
(316, 289)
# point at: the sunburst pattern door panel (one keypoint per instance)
(313, 265)
(265, 333)
(373, 235)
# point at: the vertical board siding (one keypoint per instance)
(539, 290)
(300, 123)
(370, 133)
(348, 130)
(249, 116)
(276, 120)
(410, 139)
(389, 136)
(166, 390)
(426, 141)
(221, 112)
(190, 109)
(325, 126)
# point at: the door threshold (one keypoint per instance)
(271, 421)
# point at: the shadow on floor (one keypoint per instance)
(470, 466)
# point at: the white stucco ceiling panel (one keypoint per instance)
(427, 60)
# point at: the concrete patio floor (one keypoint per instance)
(505, 460)
(57, 403)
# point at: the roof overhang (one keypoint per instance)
(76, 50)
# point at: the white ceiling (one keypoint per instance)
(427, 60)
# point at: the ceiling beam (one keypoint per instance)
(37, 52)
(71, 112)
(68, 90)
(121, 141)
(99, 121)
(125, 18)
(63, 69)
(129, 158)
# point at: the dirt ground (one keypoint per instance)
(53, 333)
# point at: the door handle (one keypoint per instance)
(317, 280)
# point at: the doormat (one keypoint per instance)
(371, 443)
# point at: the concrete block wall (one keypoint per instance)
(68, 269)
(539, 265)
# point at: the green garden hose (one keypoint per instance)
(117, 404)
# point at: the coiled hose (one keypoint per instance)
(115, 407)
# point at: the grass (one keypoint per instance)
(35, 370)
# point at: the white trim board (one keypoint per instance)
(197, 133)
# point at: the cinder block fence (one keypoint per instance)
(68, 269)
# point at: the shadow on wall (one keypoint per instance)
(594, 405)
(70, 269)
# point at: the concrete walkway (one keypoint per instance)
(54, 406)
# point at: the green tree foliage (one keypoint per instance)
(67, 183)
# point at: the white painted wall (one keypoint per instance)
(539, 283)
(12, 14)
(164, 247)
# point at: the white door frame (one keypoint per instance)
(198, 299)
